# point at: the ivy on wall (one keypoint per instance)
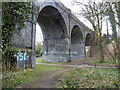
(0, 31)
(13, 13)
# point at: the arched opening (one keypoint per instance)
(88, 46)
(39, 43)
(76, 49)
(54, 34)
(39, 35)
(88, 39)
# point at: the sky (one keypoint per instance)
(76, 9)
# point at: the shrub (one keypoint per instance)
(39, 50)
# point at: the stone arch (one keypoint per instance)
(88, 46)
(76, 25)
(59, 9)
(77, 46)
(88, 39)
(55, 40)
(76, 34)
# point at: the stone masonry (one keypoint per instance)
(64, 36)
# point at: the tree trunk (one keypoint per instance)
(114, 31)
(112, 21)
(119, 45)
(101, 51)
(107, 32)
(119, 61)
(91, 49)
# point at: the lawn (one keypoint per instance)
(88, 78)
(39, 60)
(88, 60)
(13, 79)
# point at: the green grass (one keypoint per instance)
(88, 78)
(39, 60)
(13, 79)
(107, 62)
(91, 61)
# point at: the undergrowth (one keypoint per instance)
(88, 78)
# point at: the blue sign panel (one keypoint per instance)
(23, 60)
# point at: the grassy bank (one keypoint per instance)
(88, 78)
(13, 79)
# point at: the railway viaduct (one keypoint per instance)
(64, 35)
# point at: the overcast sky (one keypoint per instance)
(73, 8)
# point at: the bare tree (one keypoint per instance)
(114, 10)
(94, 13)
(111, 13)
(118, 13)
